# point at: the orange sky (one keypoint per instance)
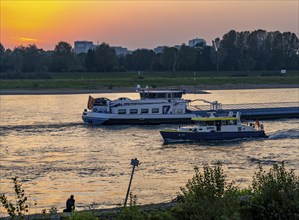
(139, 23)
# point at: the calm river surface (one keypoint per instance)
(45, 143)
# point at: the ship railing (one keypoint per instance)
(215, 105)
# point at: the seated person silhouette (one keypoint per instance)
(70, 204)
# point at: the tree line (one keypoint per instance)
(237, 51)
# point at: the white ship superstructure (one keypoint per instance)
(153, 107)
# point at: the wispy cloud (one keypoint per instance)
(25, 39)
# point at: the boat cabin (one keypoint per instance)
(152, 102)
(218, 123)
(167, 94)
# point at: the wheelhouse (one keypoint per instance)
(145, 94)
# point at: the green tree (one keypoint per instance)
(62, 57)
(186, 57)
(259, 48)
(33, 59)
(18, 55)
(169, 58)
(229, 45)
(90, 61)
(143, 59)
(2, 58)
(217, 54)
(105, 58)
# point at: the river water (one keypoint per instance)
(45, 144)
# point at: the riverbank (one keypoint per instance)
(105, 213)
(103, 89)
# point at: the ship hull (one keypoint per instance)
(179, 136)
(149, 120)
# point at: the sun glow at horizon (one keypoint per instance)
(138, 24)
(28, 21)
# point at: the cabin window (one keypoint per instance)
(133, 111)
(152, 95)
(179, 111)
(155, 110)
(144, 111)
(122, 111)
(160, 95)
(224, 122)
(233, 122)
(177, 95)
(210, 123)
(169, 95)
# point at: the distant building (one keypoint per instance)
(121, 51)
(159, 49)
(83, 46)
(197, 42)
(177, 47)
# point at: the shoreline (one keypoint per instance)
(190, 89)
(101, 213)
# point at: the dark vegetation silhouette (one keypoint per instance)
(237, 51)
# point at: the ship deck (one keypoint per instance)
(252, 110)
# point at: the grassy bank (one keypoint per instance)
(87, 80)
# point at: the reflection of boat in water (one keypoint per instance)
(214, 128)
(153, 107)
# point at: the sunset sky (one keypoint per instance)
(139, 23)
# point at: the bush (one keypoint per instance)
(208, 196)
(275, 194)
(20, 208)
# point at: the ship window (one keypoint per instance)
(133, 111)
(224, 122)
(233, 122)
(177, 95)
(144, 111)
(160, 95)
(169, 95)
(121, 111)
(152, 95)
(144, 95)
(155, 110)
(210, 123)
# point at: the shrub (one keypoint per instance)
(20, 208)
(275, 194)
(208, 196)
